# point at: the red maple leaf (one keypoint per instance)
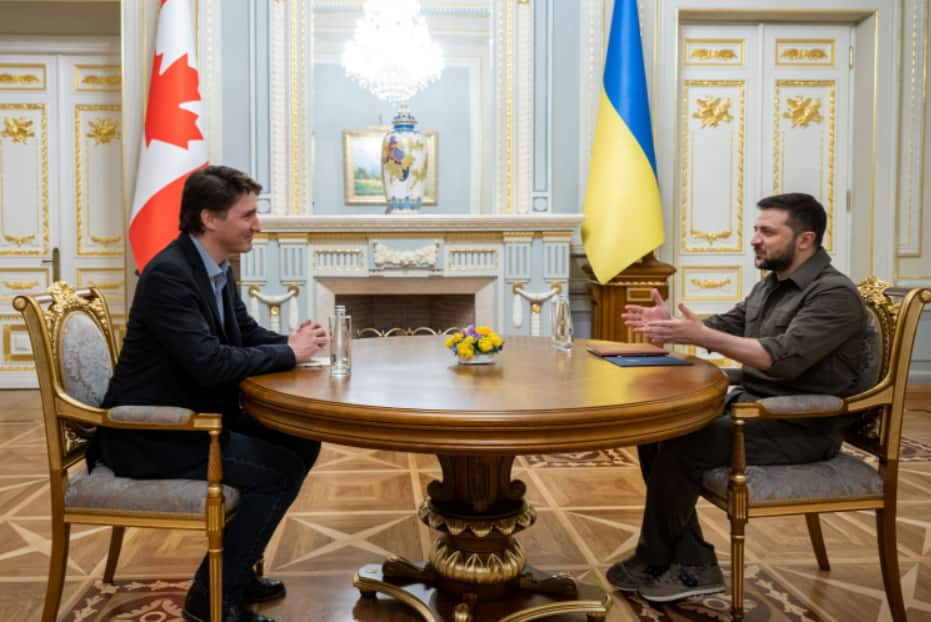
(165, 120)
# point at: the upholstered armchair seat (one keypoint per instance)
(841, 476)
(102, 489)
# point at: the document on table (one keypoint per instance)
(317, 361)
(646, 361)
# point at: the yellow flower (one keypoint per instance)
(457, 337)
(483, 331)
(485, 345)
(496, 341)
(465, 351)
(450, 341)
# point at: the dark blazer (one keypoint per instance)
(177, 353)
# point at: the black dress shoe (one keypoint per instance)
(197, 609)
(263, 590)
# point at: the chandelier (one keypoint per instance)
(391, 53)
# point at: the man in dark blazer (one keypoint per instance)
(189, 343)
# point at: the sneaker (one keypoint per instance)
(681, 581)
(630, 574)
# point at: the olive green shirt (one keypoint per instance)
(812, 323)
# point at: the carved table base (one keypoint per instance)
(477, 571)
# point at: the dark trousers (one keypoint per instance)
(672, 471)
(268, 468)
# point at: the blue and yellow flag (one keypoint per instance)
(623, 217)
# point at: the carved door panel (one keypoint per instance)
(763, 109)
(60, 184)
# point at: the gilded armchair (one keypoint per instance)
(73, 344)
(844, 482)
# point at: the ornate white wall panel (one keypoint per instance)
(24, 178)
(97, 184)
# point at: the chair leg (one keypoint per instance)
(215, 565)
(113, 555)
(738, 528)
(889, 562)
(817, 541)
(61, 533)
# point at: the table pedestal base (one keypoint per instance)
(538, 595)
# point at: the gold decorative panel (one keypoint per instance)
(16, 281)
(24, 194)
(711, 283)
(712, 158)
(810, 52)
(97, 78)
(804, 118)
(17, 351)
(729, 52)
(97, 189)
(108, 280)
(28, 77)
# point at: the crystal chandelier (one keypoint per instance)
(391, 53)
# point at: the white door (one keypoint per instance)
(763, 109)
(61, 202)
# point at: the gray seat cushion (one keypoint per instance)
(102, 490)
(841, 476)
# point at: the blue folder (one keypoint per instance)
(646, 361)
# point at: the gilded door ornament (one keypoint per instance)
(102, 131)
(795, 54)
(710, 237)
(93, 80)
(9, 78)
(19, 130)
(705, 54)
(803, 111)
(19, 240)
(711, 283)
(712, 111)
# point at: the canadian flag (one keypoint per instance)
(173, 144)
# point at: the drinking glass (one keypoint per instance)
(562, 323)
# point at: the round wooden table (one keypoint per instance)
(409, 394)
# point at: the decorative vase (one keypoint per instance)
(404, 164)
(477, 359)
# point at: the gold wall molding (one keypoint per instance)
(707, 52)
(42, 197)
(97, 78)
(22, 77)
(710, 283)
(102, 80)
(687, 173)
(21, 285)
(102, 131)
(803, 111)
(17, 129)
(8, 354)
(713, 111)
(806, 52)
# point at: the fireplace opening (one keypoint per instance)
(407, 314)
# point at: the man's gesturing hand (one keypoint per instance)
(307, 340)
(686, 329)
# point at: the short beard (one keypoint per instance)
(778, 263)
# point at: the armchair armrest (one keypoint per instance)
(790, 407)
(154, 416)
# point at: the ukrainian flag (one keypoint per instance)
(623, 217)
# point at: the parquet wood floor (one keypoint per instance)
(358, 506)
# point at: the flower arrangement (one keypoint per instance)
(473, 341)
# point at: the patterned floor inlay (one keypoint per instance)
(360, 505)
(157, 600)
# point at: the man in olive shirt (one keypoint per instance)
(800, 330)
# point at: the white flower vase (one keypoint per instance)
(404, 164)
(477, 359)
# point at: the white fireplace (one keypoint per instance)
(510, 266)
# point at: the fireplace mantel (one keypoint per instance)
(420, 223)
(512, 265)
